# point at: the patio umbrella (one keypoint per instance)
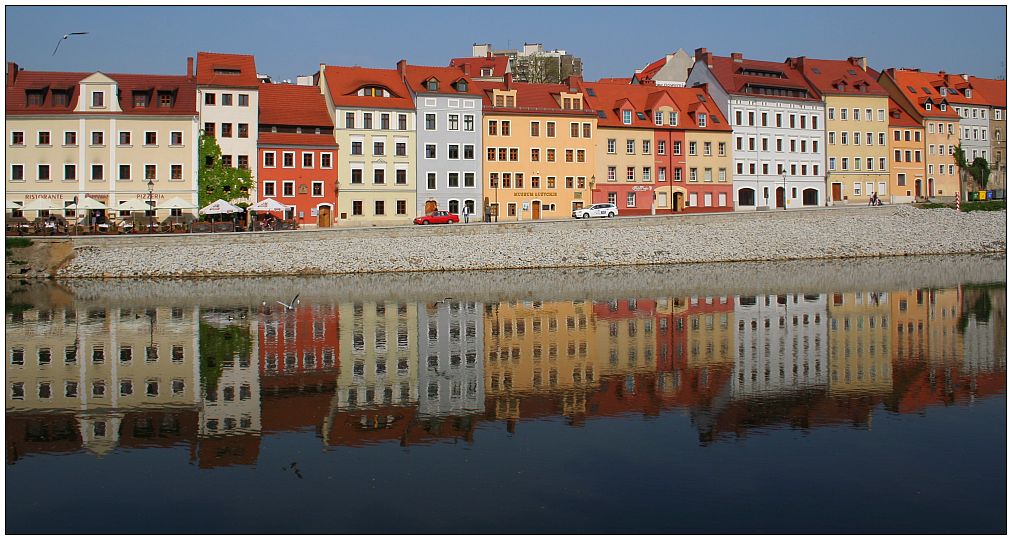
(267, 205)
(87, 204)
(134, 205)
(176, 203)
(42, 204)
(11, 205)
(220, 207)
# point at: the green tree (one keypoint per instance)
(979, 170)
(214, 179)
(218, 346)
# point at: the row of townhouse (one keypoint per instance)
(365, 145)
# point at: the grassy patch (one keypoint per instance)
(18, 242)
(931, 205)
(982, 206)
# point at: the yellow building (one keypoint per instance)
(378, 354)
(857, 150)
(906, 150)
(110, 137)
(540, 150)
(860, 343)
(708, 166)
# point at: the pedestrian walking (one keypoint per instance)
(466, 213)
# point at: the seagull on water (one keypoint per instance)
(66, 36)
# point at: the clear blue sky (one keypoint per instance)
(613, 41)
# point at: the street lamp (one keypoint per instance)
(151, 189)
(784, 176)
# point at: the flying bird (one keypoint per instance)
(295, 302)
(66, 36)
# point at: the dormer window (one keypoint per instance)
(659, 118)
(36, 97)
(98, 99)
(967, 91)
(927, 105)
(374, 91)
(942, 91)
(486, 72)
(164, 99)
(942, 107)
(839, 87)
(140, 99)
(673, 118)
(701, 119)
(462, 86)
(432, 85)
(627, 117)
(61, 98)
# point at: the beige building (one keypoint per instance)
(860, 343)
(110, 137)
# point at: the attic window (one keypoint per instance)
(590, 92)
(227, 71)
(816, 71)
(713, 118)
(942, 91)
(462, 86)
(852, 72)
(36, 97)
(600, 114)
(927, 105)
(626, 117)
(141, 99)
(967, 92)
(941, 107)
(911, 88)
(432, 85)
(640, 115)
(374, 91)
(61, 98)
(763, 73)
(164, 99)
(486, 72)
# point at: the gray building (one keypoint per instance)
(451, 380)
(974, 115)
(448, 138)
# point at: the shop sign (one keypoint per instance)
(536, 194)
(642, 188)
(54, 196)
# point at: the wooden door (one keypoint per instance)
(679, 202)
(837, 192)
(917, 189)
(430, 206)
(323, 218)
(536, 210)
(780, 197)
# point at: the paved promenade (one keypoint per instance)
(763, 236)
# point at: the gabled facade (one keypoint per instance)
(228, 104)
(448, 139)
(297, 154)
(913, 91)
(485, 68)
(98, 135)
(660, 149)
(672, 70)
(539, 150)
(374, 126)
(856, 126)
(779, 130)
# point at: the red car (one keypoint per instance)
(439, 216)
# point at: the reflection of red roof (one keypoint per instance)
(644, 98)
(241, 449)
(344, 84)
(417, 76)
(231, 70)
(826, 76)
(544, 98)
(900, 118)
(295, 139)
(293, 105)
(994, 91)
(916, 87)
(474, 65)
(183, 89)
(732, 77)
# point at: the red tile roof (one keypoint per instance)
(417, 76)
(531, 98)
(614, 80)
(474, 65)
(994, 90)
(917, 87)
(231, 70)
(651, 69)
(733, 77)
(899, 117)
(184, 90)
(293, 105)
(345, 82)
(958, 83)
(266, 139)
(609, 98)
(838, 77)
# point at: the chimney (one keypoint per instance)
(508, 78)
(964, 76)
(736, 56)
(574, 82)
(189, 67)
(859, 61)
(12, 73)
(401, 65)
(703, 55)
(467, 68)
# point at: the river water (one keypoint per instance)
(864, 396)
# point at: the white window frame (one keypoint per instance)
(101, 94)
(312, 160)
(37, 165)
(313, 184)
(119, 135)
(425, 153)
(64, 143)
(144, 172)
(181, 140)
(331, 154)
(65, 179)
(274, 188)
(273, 153)
(285, 183)
(128, 178)
(145, 143)
(182, 169)
(283, 154)
(91, 172)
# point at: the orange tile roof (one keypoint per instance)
(730, 76)
(231, 70)
(958, 83)
(293, 105)
(531, 98)
(265, 139)
(917, 87)
(473, 65)
(827, 76)
(183, 88)
(651, 69)
(344, 83)
(994, 90)
(609, 99)
(417, 76)
(899, 117)
(614, 80)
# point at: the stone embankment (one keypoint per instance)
(763, 236)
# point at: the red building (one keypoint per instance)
(298, 347)
(297, 153)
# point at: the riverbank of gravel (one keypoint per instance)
(765, 236)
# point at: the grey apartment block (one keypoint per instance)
(973, 131)
(451, 377)
(449, 163)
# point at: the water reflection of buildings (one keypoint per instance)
(860, 355)
(451, 345)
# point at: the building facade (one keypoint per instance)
(672, 70)
(974, 114)
(374, 126)
(228, 104)
(856, 126)
(995, 95)
(779, 130)
(906, 150)
(448, 139)
(110, 137)
(451, 344)
(296, 153)
(539, 150)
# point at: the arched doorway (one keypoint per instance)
(431, 206)
(324, 216)
(535, 209)
(746, 197)
(810, 197)
(780, 197)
